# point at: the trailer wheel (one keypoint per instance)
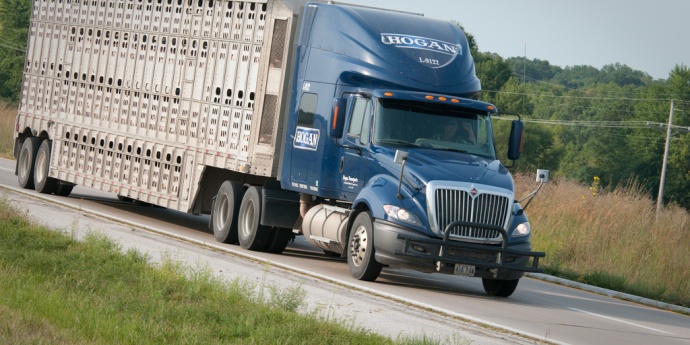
(252, 235)
(361, 259)
(499, 288)
(63, 188)
(280, 237)
(42, 182)
(26, 162)
(225, 211)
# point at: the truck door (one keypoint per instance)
(306, 152)
(356, 158)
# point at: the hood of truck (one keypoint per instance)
(378, 48)
(425, 165)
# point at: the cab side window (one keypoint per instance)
(360, 121)
(307, 108)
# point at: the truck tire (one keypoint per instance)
(42, 182)
(63, 188)
(27, 162)
(361, 257)
(225, 210)
(278, 240)
(499, 288)
(251, 234)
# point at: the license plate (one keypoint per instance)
(464, 270)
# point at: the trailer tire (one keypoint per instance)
(280, 237)
(361, 258)
(43, 183)
(63, 188)
(225, 211)
(27, 162)
(499, 288)
(252, 235)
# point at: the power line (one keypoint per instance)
(599, 124)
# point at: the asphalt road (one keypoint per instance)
(539, 310)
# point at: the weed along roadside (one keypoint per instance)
(611, 238)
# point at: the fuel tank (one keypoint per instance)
(325, 226)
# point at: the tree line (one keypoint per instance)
(580, 121)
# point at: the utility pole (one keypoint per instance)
(660, 198)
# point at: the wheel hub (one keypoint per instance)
(358, 247)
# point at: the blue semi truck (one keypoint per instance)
(356, 127)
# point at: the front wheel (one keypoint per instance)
(499, 288)
(361, 258)
(252, 235)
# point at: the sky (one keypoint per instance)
(652, 36)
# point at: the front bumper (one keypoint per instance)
(399, 247)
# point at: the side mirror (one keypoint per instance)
(517, 135)
(337, 120)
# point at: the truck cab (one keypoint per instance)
(394, 159)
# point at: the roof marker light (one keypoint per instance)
(455, 100)
(388, 94)
(429, 97)
(490, 107)
(442, 98)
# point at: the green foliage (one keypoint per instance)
(14, 28)
(536, 69)
(584, 100)
(493, 71)
(577, 76)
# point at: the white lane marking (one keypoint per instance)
(11, 170)
(619, 320)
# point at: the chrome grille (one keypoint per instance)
(452, 205)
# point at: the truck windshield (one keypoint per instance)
(433, 126)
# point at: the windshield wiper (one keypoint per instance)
(450, 149)
(398, 142)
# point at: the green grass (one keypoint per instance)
(57, 290)
(7, 118)
(611, 238)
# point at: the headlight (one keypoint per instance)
(523, 229)
(401, 214)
